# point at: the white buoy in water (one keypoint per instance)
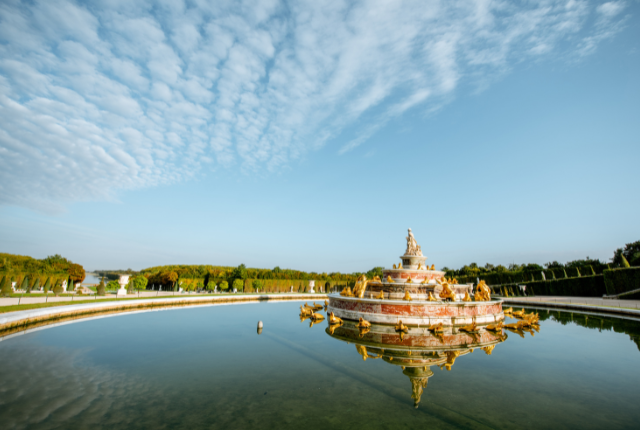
(259, 327)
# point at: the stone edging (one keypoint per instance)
(23, 319)
(571, 306)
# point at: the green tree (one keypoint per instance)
(138, 283)
(47, 285)
(625, 263)
(240, 272)
(70, 285)
(25, 284)
(257, 285)
(224, 285)
(113, 286)
(57, 289)
(36, 285)
(5, 286)
(376, 271)
(238, 285)
(101, 289)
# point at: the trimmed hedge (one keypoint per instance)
(620, 280)
(584, 286)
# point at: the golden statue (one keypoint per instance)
(417, 387)
(399, 265)
(407, 296)
(433, 267)
(394, 266)
(389, 279)
(495, 327)
(364, 323)
(488, 349)
(483, 292)
(467, 297)
(401, 327)
(332, 328)
(346, 292)
(334, 319)
(380, 296)
(437, 328)
(419, 266)
(508, 311)
(409, 280)
(451, 359)
(317, 317)
(401, 336)
(447, 293)
(363, 331)
(471, 328)
(362, 350)
(431, 298)
(317, 307)
(518, 314)
(304, 312)
(360, 287)
(376, 279)
(424, 281)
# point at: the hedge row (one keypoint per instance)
(584, 286)
(620, 280)
(35, 281)
(500, 278)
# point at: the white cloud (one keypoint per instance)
(121, 95)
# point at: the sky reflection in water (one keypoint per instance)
(207, 367)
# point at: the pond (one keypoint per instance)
(208, 367)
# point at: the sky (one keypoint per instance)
(311, 134)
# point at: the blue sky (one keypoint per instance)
(311, 135)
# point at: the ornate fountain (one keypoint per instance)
(417, 295)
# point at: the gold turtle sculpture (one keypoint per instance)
(495, 327)
(437, 328)
(334, 319)
(401, 327)
(364, 323)
(471, 328)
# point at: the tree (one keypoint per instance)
(76, 272)
(554, 265)
(70, 285)
(138, 283)
(5, 286)
(25, 284)
(224, 285)
(36, 285)
(631, 253)
(101, 289)
(47, 285)
(113, 286)
(240, 272)
(257, 285)
(57, 289)
(238, 284)
(625, 263)
(376, 271)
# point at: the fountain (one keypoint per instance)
(417, 295)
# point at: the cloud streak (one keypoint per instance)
(98, 98)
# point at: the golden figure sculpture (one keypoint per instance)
(419, 266)
(471, 328)
(362, 350)
(346, 292)
(417, 387)
(424, 281)
(451, 359)
(447, 293)
(437, 328)
(431, 298)
(360, 287)
(376, 279)
(495, 327)
(303, 318)
(380, 296)
(364, 323)
(407, 296)
(488, 349)
(467, 297)
(304, 312)
(334, 319)
(518, 314)
(508, 311)
(399, 265)
(317, 317)
(483, 292)
(401, 327)
(401, 333)
(389, 279)
(532, 318)
(363, 331)
(394, 266)
(326, 303)
(332, 328)
(317, 307)
(409, 280)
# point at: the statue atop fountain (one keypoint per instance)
(412, 246)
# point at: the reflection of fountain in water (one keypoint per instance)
(417, 350)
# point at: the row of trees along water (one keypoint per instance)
(30, 274)
(242, 278)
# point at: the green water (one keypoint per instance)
(206, 367)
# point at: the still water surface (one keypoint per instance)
(206, 367)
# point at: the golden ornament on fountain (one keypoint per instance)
(437, 328)
(402, 327)
(483, 292)
(471, 328)
(508, 311)
(394, 266)
(380, 296)
(360, 287)
(409, 280)
(431, 298)
(467, 297)
(407, 296)
(488, 349)
(334, 319)
(317, 317)
(518, 314)
(389, 279)
(495, 327)
(364, 323)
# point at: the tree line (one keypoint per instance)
(29, 273)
